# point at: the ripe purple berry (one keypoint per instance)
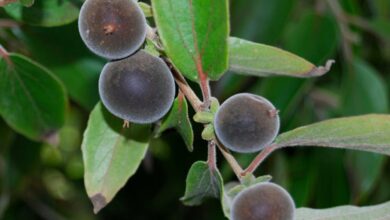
(263, 201)
(112, 29)
(138, 89)
(246, 123)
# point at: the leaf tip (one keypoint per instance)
(99, 202)
(321, 70)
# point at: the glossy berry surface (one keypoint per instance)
(112, 29)
(246, 123)
(263, 201)
(138, 89)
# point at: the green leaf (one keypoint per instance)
(364, 169)
(81, 78)
(44, 13)
(111, 155)
(178, 118)
(375, 212)
(366, 133)
(365, 91)
(146, 9)
(202, 183)
(319, 33)
(230, 191)
(32, 100)
(77, 68)
(262, 60)
(381, 27)
(194, 35)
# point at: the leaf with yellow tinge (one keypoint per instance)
(375, 212)
(256, 59)
(111, 154)
(366, 132)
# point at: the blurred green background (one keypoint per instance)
(38, 181)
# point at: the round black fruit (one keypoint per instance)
(263, 201)
(246, 123)
(112, 29)
(138, 89)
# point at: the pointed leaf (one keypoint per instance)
(375, 212)
(202, 183)
(44, 13)
(262, 60)
(366, 132)
(32, 100)
(178, 118)
(111, 155)
(194, 34)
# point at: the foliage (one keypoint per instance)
(282, 50)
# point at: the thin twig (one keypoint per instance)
(259, 159)
(212, 156)
(198, 106)
(231, 160)
(185, 88)
(8, 23)
(205, 87)
(5, 55)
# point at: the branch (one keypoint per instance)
(185, 88)
(8, 23)
(5, 55)
(212, 156)
(259, 159)
(198, 106)
(231, 160)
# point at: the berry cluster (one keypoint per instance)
(134, 85)
(139, 87)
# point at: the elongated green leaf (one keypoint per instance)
(364, 92)
(32, 100)
(366, 132)
(376, 212)
(44, 13)
(194, 34)
(111, 155)
(178, 118)
(262, 60)
(202, 183)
